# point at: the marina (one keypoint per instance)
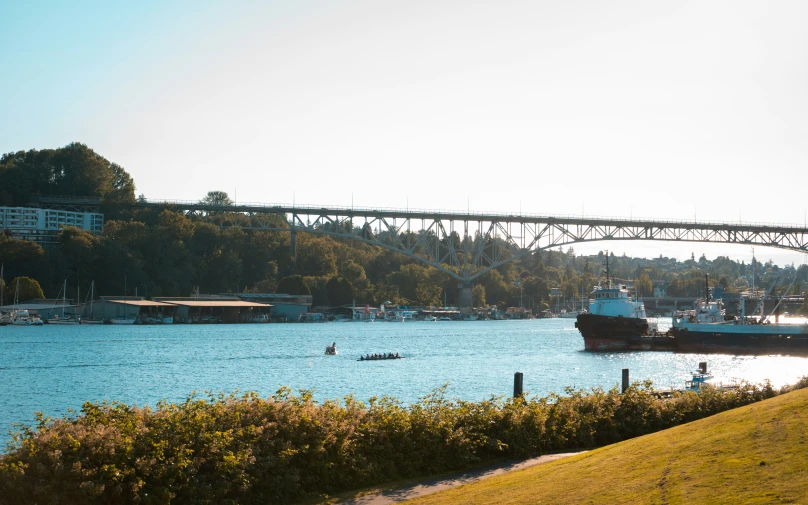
(53, 368)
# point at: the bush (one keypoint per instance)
(245, 449)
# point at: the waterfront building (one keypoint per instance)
(216, 309)
(285, 307)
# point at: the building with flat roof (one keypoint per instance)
(217, 310)
(284, 307)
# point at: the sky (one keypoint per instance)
(675, 110)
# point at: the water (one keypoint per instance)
(53, 368)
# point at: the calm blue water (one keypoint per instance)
(53, 368)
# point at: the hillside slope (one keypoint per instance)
(753, 454)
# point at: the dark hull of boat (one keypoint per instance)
(724, 341)
(608, 333)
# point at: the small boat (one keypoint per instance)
(64, 320)
(331, 350)
(444, 318)
(430, 318)
(380, 357)
(22, 318)
(312, 317)
(121, 320)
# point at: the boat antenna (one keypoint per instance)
(706, 287)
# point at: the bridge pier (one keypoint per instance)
(465, 297)
(293, 244)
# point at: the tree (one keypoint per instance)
(29, 289)
(293, 285)
(218, 198)
(339, 291)
(79, 251)
(24, 258)
(478, 296)
(644, 286)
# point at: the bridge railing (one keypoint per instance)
(318, 209)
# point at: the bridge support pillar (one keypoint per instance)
(465, 298)
(293, 244)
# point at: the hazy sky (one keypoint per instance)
(646, 109)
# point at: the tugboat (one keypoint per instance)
(709, 330)
(615, 321)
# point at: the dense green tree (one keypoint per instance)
(293, 285)
(644, 286)
(29, 289)
(478, 296)
(339, 290)
(218, 198)
(24, 258)
(315, 256)
(316, 285)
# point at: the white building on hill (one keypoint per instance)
(42, 225)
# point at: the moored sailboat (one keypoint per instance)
(64, 319)
(91, 319)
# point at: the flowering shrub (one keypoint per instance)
(245, 449)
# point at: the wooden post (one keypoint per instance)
(703, 366)
(625, 380)
(518, 382)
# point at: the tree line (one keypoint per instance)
(162, 252)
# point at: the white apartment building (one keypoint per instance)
(42, 225)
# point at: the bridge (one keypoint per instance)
(466, 245)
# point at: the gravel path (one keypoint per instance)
(435, 485)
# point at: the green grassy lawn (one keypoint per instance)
(753, 454)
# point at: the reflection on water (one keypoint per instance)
(53, 368)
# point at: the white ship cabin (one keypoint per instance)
(704, 311)
(615, 302)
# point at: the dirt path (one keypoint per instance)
(433, 486)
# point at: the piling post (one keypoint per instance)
(625, 380)
(518, 382)
(703, 366)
